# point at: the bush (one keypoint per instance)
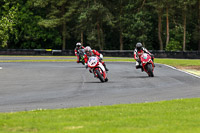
(174, 46)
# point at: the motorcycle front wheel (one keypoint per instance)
(100, 76)
(150, 70)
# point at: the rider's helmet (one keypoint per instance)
(88, 51)
(78, 44)
(139, 46)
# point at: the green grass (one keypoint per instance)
(176, 116)
(172, 62)
(178, 62)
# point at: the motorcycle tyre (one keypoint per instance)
(100, 76)
(106, 80)
(150, 70)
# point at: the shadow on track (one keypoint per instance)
(136, 77)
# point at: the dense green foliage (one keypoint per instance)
(112, 25)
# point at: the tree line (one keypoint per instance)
(172, 25)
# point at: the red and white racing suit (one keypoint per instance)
(137, 55)
(76, 51)
(93, 53)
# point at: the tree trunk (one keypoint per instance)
(98, 35)
(120, 25)
(167, 30)
(184, 30)
(64, 36)
(121, 40)
(143, 43)
(102, 39)
(64, 29)
(160, 29)
(82, 37)
(199, 25)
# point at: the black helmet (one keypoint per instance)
(138, 46)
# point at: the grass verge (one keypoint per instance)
(175, 116)
(172, 62)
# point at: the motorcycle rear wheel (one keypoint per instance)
(100, 76)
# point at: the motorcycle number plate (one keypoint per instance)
(92, 61)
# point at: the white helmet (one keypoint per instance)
(88, 50)
(78, 44)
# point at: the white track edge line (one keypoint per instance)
(181, 70)
(175, 69)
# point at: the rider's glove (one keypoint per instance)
(101, 57)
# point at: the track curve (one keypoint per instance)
(50, 85)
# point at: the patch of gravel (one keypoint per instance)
(191, 69)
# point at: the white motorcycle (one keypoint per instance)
(97, 68)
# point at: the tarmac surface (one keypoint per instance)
(51, 85)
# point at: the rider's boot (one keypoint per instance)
(105, 66)
(90, 70)
(138, 66)
(154, 64)
(106, 69)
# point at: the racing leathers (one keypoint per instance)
(77, 52)
(95, 53)
(138, 54)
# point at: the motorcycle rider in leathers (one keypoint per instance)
(139, 50)
(89, 52)
(76, 51)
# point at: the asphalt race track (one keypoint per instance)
(50, 85)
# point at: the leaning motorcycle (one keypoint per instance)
(97, 68)
(82, 56)
(147, 64)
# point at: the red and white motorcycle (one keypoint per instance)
(97, 68)
(147, 64)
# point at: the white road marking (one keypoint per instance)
(1, 68)
(173, 68)
(169, 67)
